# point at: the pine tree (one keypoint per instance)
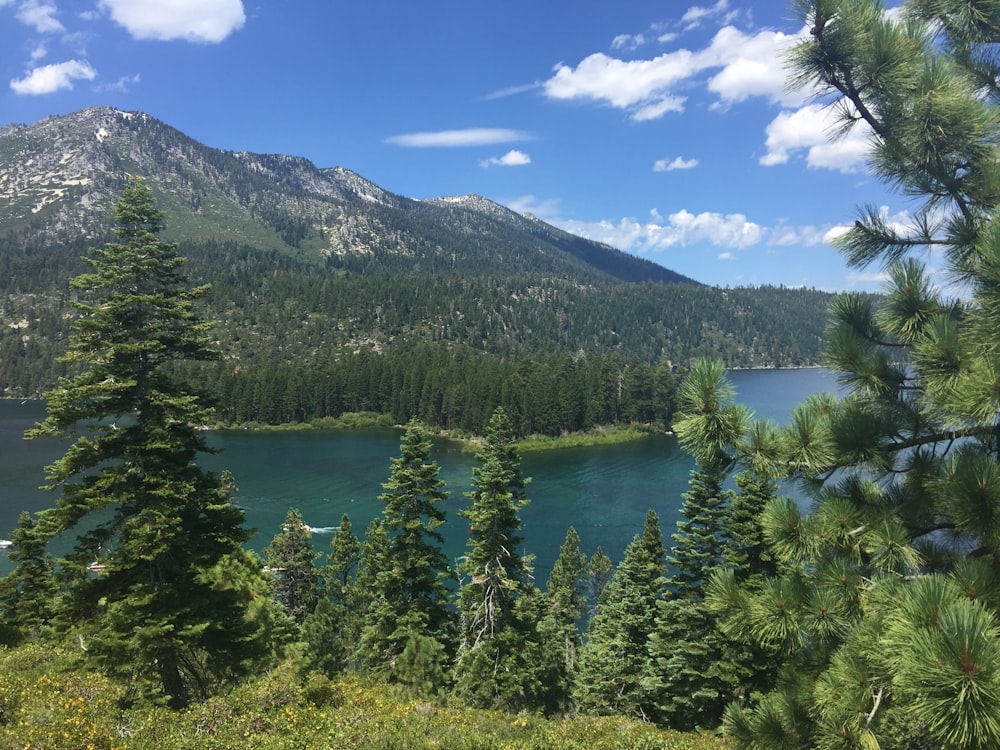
(698, 542)
(342, 561)
(745, 668)
(244, 574)
(745, 550)
(28, 594)
(682, 676)
(565, 586)
(534, 678)
(685, 677)
(614, 655)
(409, 600)
(493, 564)
(327, 631)
(567, 600)
(373, 559)
(491, 635)
(709, 421)
(156, 522)
(290, 561)
(885, 632)
(361, 598)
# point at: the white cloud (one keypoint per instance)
(752, 65)
(662, 165)
(682, 228)
(731, 232)
(694, 15)
(843, 155)
(192, 20)
(49, 78)
(512, 158)
(656, 110)
(809, 129)
(621, 83)
(628, 41)
(748, 65)
(456, 138)
(40, 15)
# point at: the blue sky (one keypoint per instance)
(662, 128)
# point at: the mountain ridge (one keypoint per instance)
(62, 174)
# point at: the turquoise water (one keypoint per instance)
(773, 393)
(604, 492)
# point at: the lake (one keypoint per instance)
(604, 492)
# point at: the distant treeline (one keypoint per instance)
(455, 388)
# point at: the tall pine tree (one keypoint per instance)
(130, 484)
(364, 595)
(493, 564)
(599, 571)
(409, 602)
(496, 575)
(567, 597)
(682, 678)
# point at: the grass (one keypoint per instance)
(611, 435)
(605, 435)
(347, 421)
(44, 707)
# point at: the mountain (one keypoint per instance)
(331, 294)
(59, 177)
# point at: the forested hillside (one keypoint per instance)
(330, 294)
(303, 340)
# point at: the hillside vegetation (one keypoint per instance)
(44, 703)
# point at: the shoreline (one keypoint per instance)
(603, 435)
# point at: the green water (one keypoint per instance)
(604, 492)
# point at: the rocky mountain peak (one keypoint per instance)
(59, 177)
